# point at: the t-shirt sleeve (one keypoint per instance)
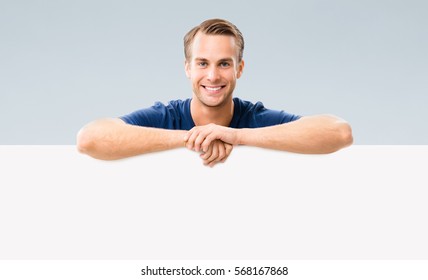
(269, 117)
(157, 116)
(287, 117)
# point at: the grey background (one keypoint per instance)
(65, 63)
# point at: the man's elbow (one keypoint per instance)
(93, 140)
(345, 137)
(85, 141)
(339, 136)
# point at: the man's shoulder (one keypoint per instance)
(177, 106)
(249, 114)
(172, 115)
(245, 105)
(176, 103)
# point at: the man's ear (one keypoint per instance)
(187, 68)
(240, 69)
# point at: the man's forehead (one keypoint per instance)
(226, 59)
(207, 45)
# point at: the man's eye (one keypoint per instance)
(225, 64)
(202, 64)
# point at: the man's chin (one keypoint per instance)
(213, 102)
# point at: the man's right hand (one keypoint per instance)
(217, 152)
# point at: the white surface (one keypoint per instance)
(364, 202)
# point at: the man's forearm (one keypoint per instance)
(111, 139)
(310, 135)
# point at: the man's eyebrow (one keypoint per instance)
(227, 60)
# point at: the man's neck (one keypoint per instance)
(202, 114)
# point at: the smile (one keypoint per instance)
(213, 89)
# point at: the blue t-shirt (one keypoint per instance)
(176, 115)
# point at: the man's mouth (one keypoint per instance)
(213, 88)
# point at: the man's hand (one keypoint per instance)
(217, 152)
(215, 142)
(199, 138)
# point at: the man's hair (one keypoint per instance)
(214, 27)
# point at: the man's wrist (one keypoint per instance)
(178, 138)
(240, 136)
(248, 136)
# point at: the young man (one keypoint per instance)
(212, 121)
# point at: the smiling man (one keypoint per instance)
(212, 121)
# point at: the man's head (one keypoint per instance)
(214, 62)
(214, 27)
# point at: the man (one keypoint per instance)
(212, 121)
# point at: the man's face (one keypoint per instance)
(213, 69)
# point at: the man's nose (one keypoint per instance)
(213, 74)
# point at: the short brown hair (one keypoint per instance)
(214, 27)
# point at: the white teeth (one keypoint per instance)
(213, 88)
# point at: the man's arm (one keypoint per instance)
(318, 134)
(111, 139)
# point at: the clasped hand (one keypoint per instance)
(213, 142)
